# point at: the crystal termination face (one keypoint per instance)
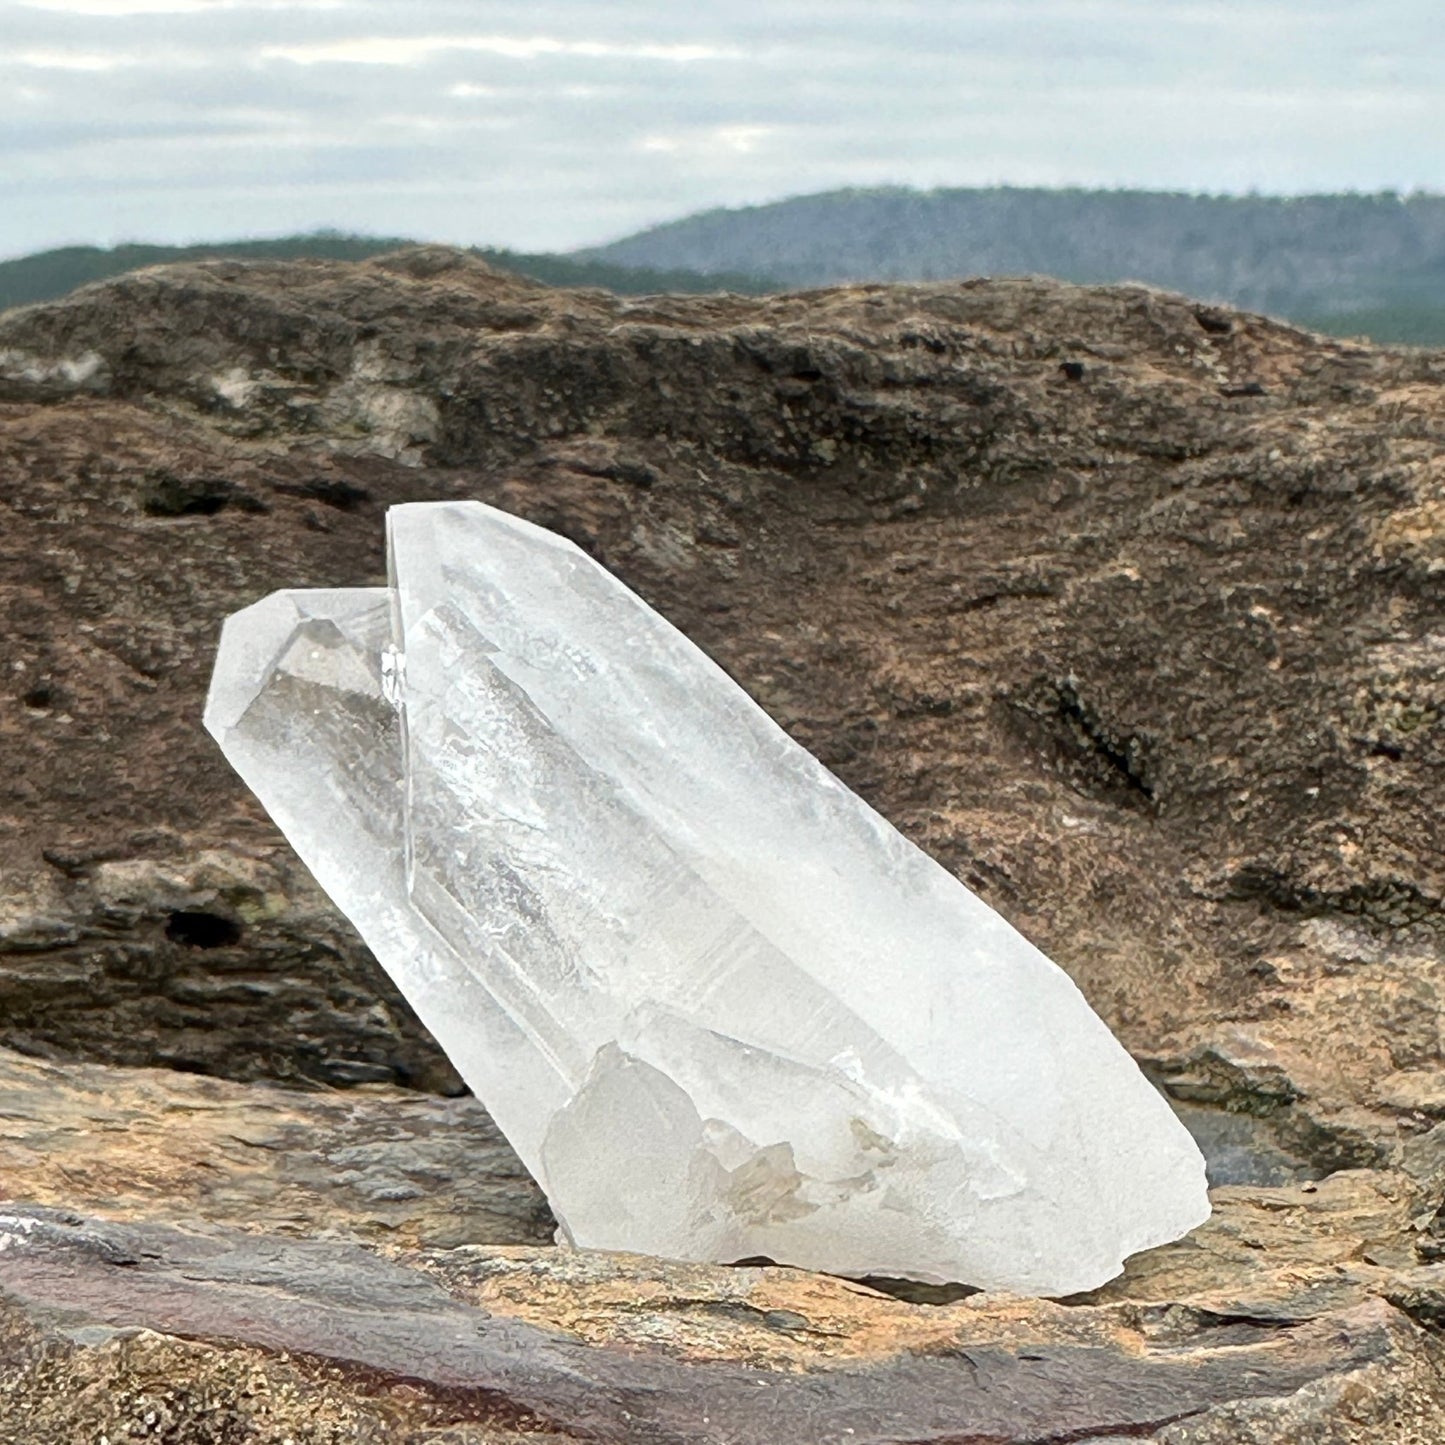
(720, 1007)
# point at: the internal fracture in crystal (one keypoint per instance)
(720, 1007)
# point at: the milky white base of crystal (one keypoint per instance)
(719, 1006)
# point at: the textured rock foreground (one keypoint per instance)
(1128, 610)
(320, 1293)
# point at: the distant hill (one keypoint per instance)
(1351, 264)
(51, 274)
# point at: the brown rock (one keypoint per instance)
(1155, 670)
(379, 1165)
(748, 1361)
(364, 1267)
(1132, 620)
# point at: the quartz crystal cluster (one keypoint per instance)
(720, 1007)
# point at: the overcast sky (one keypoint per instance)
(545, 124)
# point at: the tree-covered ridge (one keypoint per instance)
(1351, 264)
(52, 274)
(1348, 265)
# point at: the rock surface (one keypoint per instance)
(367, 1267)
(1130, 611)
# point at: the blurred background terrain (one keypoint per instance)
(1347, 265)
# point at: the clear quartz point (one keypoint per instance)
(720, 1007)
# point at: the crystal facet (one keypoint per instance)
(720, 1007)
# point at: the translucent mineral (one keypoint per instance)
(719, 1006)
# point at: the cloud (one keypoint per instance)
(720, 139)
(571, 122)
(118, 9)
(415, 49)
(90, 61)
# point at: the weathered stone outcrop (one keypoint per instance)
(368, 1266)
(1127, 609)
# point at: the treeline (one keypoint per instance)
(1353, 264)
(1348, 265)
(52, 274)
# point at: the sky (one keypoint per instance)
(551, 124)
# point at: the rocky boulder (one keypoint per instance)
(1127, 609)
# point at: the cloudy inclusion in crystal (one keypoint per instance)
(720, 1007)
